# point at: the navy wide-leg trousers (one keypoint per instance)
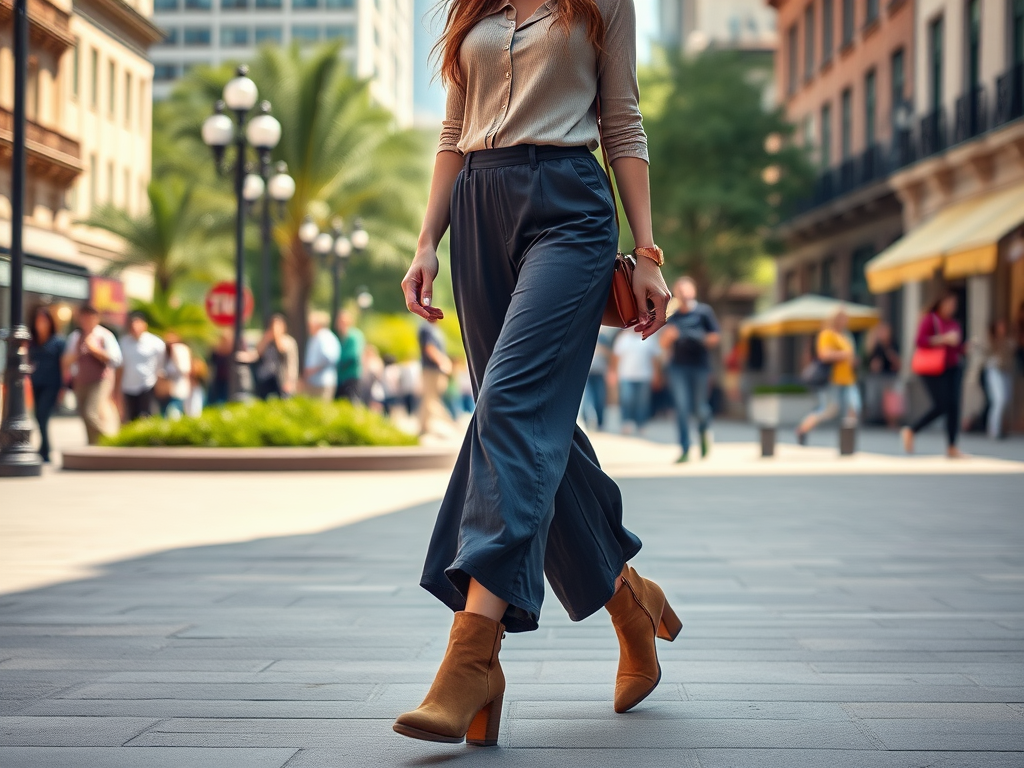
(533, 242)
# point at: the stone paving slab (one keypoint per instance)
(834, 622)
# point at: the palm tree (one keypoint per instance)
(348, 159)
(180, 239)
(346, 155)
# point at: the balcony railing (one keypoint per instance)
(50, 153)
(975, 114)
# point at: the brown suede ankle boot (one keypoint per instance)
(465, 700)
(639, 613)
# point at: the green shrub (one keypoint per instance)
(297, 422)
(781, 389)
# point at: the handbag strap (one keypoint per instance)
(604, 158)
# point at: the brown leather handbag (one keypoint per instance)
(621, 310)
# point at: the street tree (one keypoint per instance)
(723, 166)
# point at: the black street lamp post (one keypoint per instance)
(17, 457)
(262, 132)
(336, 245)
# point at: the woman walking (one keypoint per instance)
(532, 249)
(940, 331)
(178, 373)
(44, 355)
(998, 375)
(835, 348)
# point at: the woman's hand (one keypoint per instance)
(652, 295)
(418, 284)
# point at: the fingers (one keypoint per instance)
(657, 301)
(417, 288)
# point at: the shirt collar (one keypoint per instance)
(543, 11)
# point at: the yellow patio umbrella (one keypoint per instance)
(805, 314)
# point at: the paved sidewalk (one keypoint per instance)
(833, 621)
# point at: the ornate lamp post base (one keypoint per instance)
(17, 456)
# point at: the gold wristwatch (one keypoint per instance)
(652, 252)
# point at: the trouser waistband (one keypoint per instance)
(521, 154)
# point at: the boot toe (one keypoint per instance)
(420, 724)
(631, 690)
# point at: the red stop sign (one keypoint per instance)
(220, 304)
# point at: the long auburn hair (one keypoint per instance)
(464, 14)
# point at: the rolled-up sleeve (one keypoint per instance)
(621, 122)
(451, 128)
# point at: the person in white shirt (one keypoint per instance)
(635, 360)
(323, 350)
(178, 372)
(135, 380)
(92, 354)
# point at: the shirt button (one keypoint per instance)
(508, 75)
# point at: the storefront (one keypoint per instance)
(47, 281)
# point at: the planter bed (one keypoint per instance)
(187, 459)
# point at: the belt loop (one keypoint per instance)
(533, 156)
(467, 167)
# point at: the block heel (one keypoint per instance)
(483, 731)
(670, 625)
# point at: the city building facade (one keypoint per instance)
(377, 38)
(88, 109)
(697, 24)
(961, 179)
(845, 75)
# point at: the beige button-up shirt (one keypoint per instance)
(535, 85)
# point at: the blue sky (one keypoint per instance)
(428, 96)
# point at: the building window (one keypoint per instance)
(110, 182)
(859, 291)
(32, 95)
(791, 50)
(234, 5)
(268, 3)
(75, 56)
(165, 5)
(809, 42)
(344, 32)
(872, 12)
(112, 86)
(1016, 47)
(126, 192)
(846, 124)
(826, 135)
(143, 101)
(170, 36)
(94, 78)
(898, 85)
(234, 36)
(305, 33)
(973, 30)
(848, 22)
(826, 280)
(935, 32)
(197, 36)
(304, 5)
(268, 35)
(164, 72)
(870, 108)
(198, 5)
(827, 26)
(93, 181)
(128, 100)
(340, 3)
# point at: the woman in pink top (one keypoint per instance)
(939, 329)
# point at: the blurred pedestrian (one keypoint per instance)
(199, 378)
(939, 330)
(595, 393)
(44, 355)
(320, 374)
(276, 361)
(882, 402)
(90, 358)
(371, 384)
(998, 354)
(177, 376)
(436, 367)
(220, 369)
(690, 333)
(135, 381)
(350, 361)
(635, 360)
(835, 348)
